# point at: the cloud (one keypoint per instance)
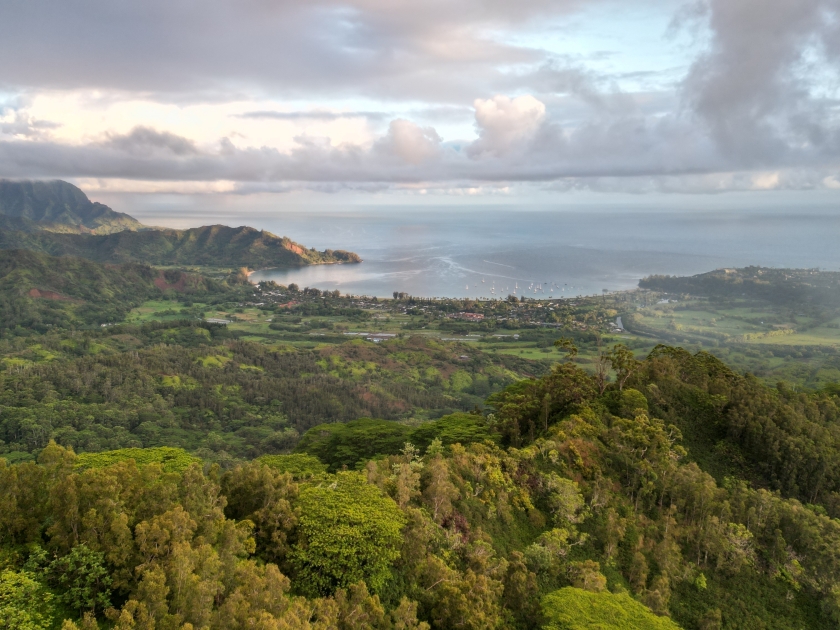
(409, 142)
(517, 142)
(311, 115)
(505, 124)
(145, 141)
(372, 86)
(757, 87)
(437, 49)
(20, 123)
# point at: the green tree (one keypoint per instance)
(345, 444)
(566, 344)
(439, 491)
(576, 609)
(457, 428)
(623, 363)
(264, 496)
(348, 532)
(24, 602)
(298, 465)
(82, 579)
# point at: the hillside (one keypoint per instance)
(213, 245)
(57, 206)
(575, 504)
(782, 287)
(58, 219)
(409, 484)
(38, 292)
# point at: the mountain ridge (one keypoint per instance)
(57, 218)
(212, 245)
(59, 206)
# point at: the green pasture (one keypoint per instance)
(740, 322)
(161, 310)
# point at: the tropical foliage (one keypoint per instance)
(39, 292)
(576, 609)
(585, 507)
(189, 385)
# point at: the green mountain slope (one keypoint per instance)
(60, 207)
(38, 292)
(213, 245)
(783, 287)
(58, 219)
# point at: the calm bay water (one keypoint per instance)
(435, 251)
(494, 253)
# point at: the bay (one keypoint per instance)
(446, 251)
(493, 253)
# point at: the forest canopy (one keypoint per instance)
(566, 506)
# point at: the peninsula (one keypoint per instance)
(58, 219)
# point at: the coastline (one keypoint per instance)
(251, 272)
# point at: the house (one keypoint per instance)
(470, 317)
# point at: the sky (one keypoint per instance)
(396, 101)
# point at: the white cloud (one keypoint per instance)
(506, 124)
(411, 143)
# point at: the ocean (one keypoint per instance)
(493, 252)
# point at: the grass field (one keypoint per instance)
(739, 323)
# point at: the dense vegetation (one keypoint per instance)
(211, 245)
(57, 218)
(575, 502)
(57, 206)
(39, 292)
(192, 385)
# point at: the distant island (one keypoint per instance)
(57, 218)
